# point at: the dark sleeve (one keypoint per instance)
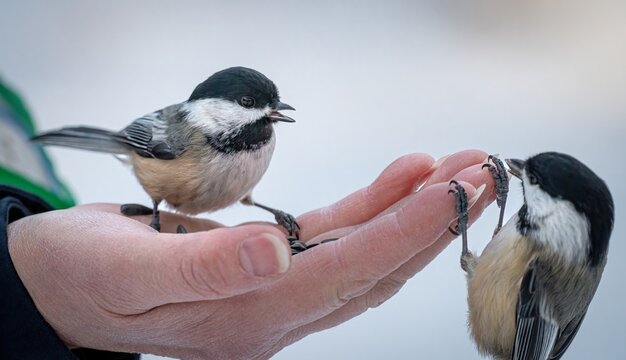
(24, 334)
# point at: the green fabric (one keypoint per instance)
(59, 196)
(59, 202)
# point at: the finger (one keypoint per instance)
(390, 285)
(152, 269)
(444, 172)
(395, 182)
(473, 175)
(345, 269)
(454, 164)
(404, 233)
(220, 263)
(169, 221)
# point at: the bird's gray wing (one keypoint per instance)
(565, 338)
(148, 135)
(536, 331)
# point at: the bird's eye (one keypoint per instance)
(532, 179)
(247, 101)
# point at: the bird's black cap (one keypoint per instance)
(235, 83)
(564, 177)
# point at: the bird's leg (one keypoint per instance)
(501, 178)
(138, 210)
(156, 216)
(282, 218)
(288, 222)
(467, 258)
(297, 246)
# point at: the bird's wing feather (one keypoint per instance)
(565, 337)
(536, 331)
(147, 136)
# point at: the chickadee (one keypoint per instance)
(529, 290)
(200, 155)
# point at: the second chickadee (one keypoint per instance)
(200, 155)
(529, 290)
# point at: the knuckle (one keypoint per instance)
(355, 283)
(384, 290)
(205, 275)
(398, 225)
(352, 289)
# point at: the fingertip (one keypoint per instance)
(265, 255)
(415, 159)
(471, 156)
(218, 263)
(477, 194)
(437, 164)
(453, 164)
(412, 165)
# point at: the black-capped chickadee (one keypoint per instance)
(202, 154)
(529, 290)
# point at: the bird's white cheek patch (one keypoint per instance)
(559, 224)
(219, 115)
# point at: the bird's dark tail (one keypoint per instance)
(85, 138)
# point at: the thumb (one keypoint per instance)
(206, 265)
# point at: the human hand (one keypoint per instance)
(106, 281)
(388, 234)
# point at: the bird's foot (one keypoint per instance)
(298, 246)
(501, 178)
(283, 219)
(289, 222)
(460, 228)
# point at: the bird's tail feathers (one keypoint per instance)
(83, 137)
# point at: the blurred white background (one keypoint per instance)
(371, 81)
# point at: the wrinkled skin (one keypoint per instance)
(106, 281)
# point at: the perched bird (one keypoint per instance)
(529, 290)
(199, 155)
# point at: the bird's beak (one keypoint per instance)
(516, 167)
(275, 115)
(282, 106)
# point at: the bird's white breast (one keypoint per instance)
(196, 182)
(557, 224)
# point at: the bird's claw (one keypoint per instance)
(462, 209)
(298, 246)
(289, 222)
(181, 229)
(501, 179)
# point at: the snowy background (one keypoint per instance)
(371, 81)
